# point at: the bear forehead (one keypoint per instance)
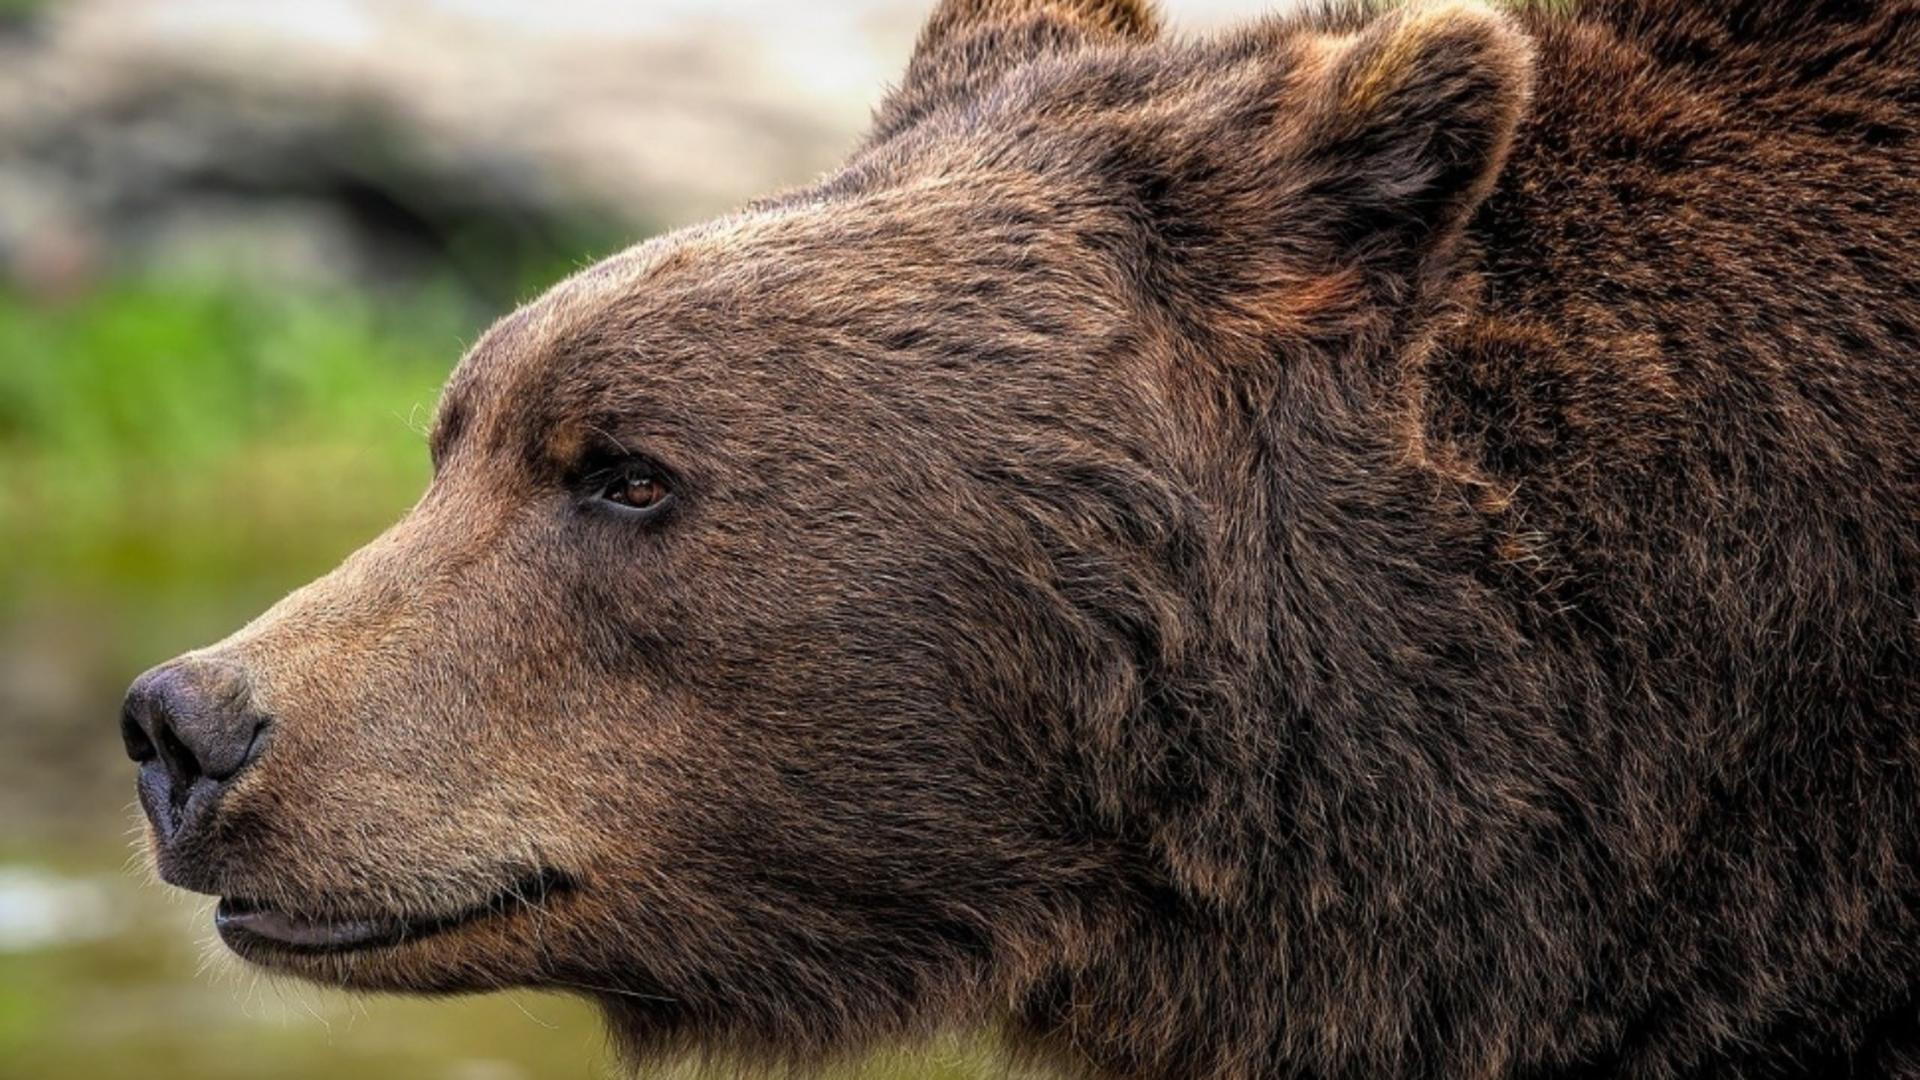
(942, 255)
(989, 214)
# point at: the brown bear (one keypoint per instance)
(1383, 544)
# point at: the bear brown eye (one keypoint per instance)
(637, 488)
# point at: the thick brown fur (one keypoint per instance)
(1382, 544)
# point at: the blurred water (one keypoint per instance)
(41, 910)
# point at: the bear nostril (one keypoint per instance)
(183, 767)
(139, 746)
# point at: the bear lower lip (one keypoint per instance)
(244, 924)
(239, 919)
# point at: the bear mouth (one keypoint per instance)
(249, 926)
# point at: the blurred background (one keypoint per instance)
(241, 244)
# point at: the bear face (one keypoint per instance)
(766, 652)
(816, 718)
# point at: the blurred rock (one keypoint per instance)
(354, 139)
(360, 138)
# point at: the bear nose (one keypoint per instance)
(191, 729)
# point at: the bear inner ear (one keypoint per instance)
(968, 45)
(1409, 122)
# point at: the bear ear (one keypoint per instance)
(1407, 123)
(967, 45)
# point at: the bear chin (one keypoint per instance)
(475, 947)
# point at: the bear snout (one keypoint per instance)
(192, 728)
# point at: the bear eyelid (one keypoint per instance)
(605, 477)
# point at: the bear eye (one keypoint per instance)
(636, 486)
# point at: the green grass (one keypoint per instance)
(176, 455)
(21, 9)
(187, 436)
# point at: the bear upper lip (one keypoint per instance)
(242, 922)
